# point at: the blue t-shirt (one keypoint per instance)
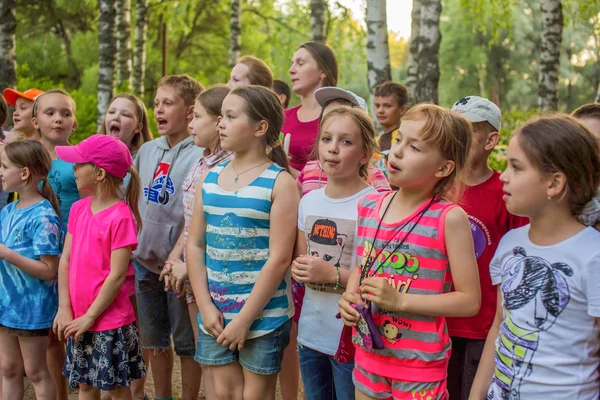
(62, 180)
(27, 302)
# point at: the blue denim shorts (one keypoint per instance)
(261, 355)
(161, 314)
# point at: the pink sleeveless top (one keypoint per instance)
(416, 347)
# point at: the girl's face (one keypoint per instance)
(55, 118)
(12, 176)
(341, 148)
(22, 116)
(203, 127)
(305, 73)
(414, 163)
(236, 131)
(121, 120)
(171, 114)
(239, 76)
(525, 188)
(85, 178)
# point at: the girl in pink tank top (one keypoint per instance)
(409, 243)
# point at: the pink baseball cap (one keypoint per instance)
(103, 151)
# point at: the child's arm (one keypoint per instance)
(463, 302)
(212, 319)
(485, 371)
(64, 316)
(306, 269)
(119, 264)
(45, 268)
(174, 272)
(284, 218)
(351, 296)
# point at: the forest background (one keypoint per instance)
(489, 48)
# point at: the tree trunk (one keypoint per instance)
(235, 38)
(123, 32)
(106, 55)
(317, 20)
(139, 48)
(412, 66)
(552, 26)
(428, 55)
(8, 28)
(378, 50)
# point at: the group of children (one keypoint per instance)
(368, 263)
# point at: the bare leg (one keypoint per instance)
(13, 370)
(191, 375)
(34, 353)
(162, 372)
(229, 381)
(87, 392)
(121, 393)
(259, 387)
(289, 376)
(56, 356)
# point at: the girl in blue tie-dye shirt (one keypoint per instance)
(30, 238)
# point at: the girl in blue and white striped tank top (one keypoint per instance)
(240, 247)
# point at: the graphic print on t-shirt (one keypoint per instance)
(162, 185)
(535, 292)
(481, 235)
(332, 240)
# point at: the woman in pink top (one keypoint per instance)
(313, 66)
(408, 242)
(95, 314)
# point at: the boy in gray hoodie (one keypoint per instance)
(163, 165)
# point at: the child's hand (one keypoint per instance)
(234, 335)
(212, 319)
(63, 318)
(306, 269)
(380, 292)
(178, 276)
(79, 326)
(165, 275)
(349, 315)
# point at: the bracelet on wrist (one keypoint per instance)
(337, 278)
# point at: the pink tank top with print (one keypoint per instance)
(416, 347)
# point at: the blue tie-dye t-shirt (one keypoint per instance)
(27, 302)
(62, 180)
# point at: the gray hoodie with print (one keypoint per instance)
(162, 171)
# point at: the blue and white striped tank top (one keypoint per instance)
(237, 248)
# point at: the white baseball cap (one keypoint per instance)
(479, 109)
(324, 94)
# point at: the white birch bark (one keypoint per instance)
(106, 55)
(317, 20)
(552, 26)
(378, 50)
(8, 28)
(428, 55)
(139, 48)
(235, 37)
(123, 33)
(412, 66)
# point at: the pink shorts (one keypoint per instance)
(379, 387)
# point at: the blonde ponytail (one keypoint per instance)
(132, 195)
(49, 194)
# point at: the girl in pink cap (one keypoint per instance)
(95, 315)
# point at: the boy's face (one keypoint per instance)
(388, 111)
(593, 124)
(170, 112)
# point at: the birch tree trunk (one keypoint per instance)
(139, 48)
(106, 55)
(317, 20)
(428, 54)
(552, 26)
(412, 66)
(378, 50)
(123, 33)
(8, 28)
(235, 38)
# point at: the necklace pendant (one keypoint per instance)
(235, 180)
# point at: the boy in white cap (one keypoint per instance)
(489, 221)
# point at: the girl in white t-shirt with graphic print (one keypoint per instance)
(325, 249)
(545, 340)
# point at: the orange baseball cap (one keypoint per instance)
(11, 95)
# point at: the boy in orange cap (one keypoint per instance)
(23, 104)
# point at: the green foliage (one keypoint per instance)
(511, 120)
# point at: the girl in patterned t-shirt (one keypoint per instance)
(408, 242)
